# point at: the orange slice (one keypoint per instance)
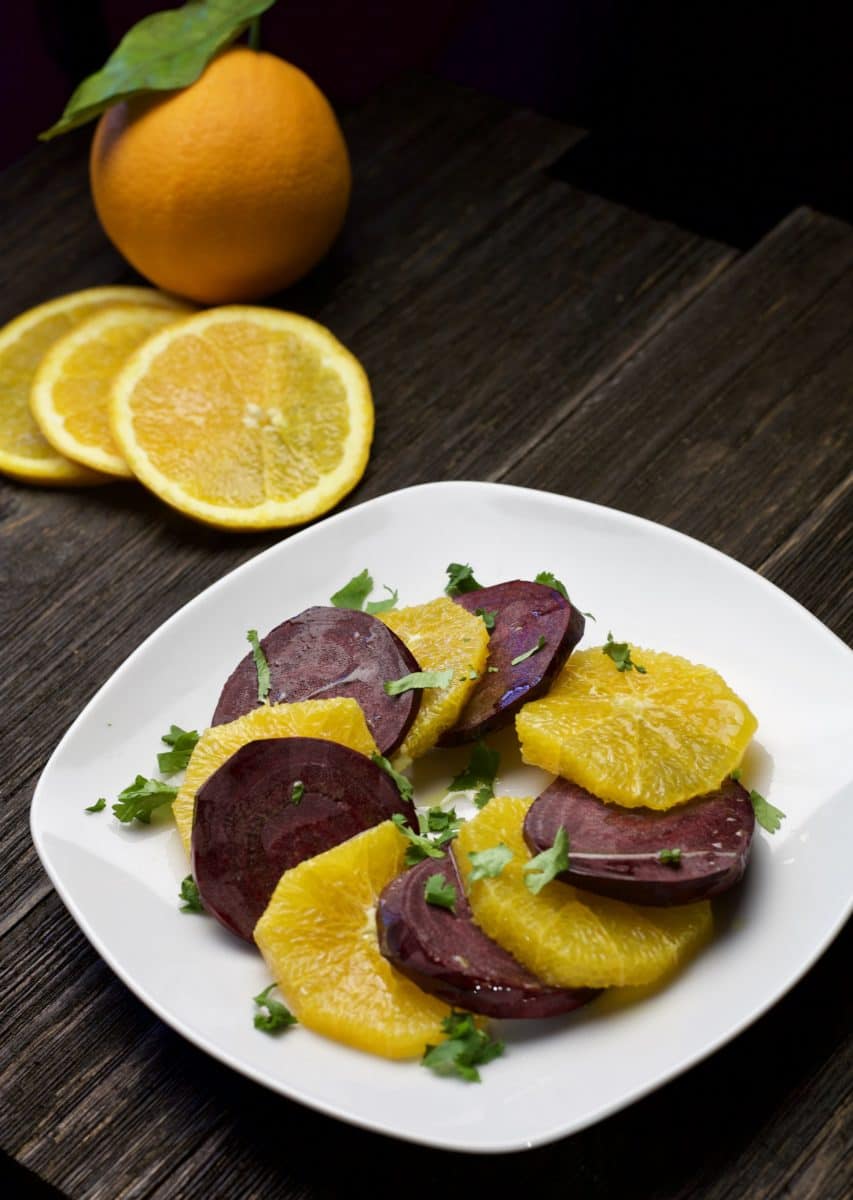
(567, 937)
(245, 418)
(318, 936)
(655, 739)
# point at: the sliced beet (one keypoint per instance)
(325, 652)
(615, 851)
(446, 954)
(524, 613)
(247, 829)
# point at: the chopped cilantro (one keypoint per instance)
(444, 823)
(673, 856)
(404, 785)
(379, 606)
(480, 773)
(140, 798)
(353, 594)
(277, 1016)
(190, 896)
(440, 893)
(552, 581)
(460, 578)
(766, 814)
(488, 616)
(261, 665)
(492, 670)
(520, 658)
(620, 652)
(488, 864)
(735, 775)
(99, 805)
(422, 846)
(183, 743)
(465, 1048)
(297, 792)
(590, 615)
(545, 866)
(417, 680)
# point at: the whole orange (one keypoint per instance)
(226, 190)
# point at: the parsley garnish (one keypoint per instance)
(190, 896)
(488, 616)
(379, 606)
(277, 1015)
(404, 785)
(440, 893)
(480, 773)
(261, 665)
(297, 792)
(140, 798)
(460, 578)
(673, 856)
(620, 652)
(418, 679)
(551, 581)
(766, 814)
(488, 864)
(466, 1048)
(519, 658)
(353, 594)
(99, 805)
(183, 743)
(422, 846)
(545, 866)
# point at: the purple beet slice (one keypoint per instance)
(524, 613)
(616, 851)
(250, 824)
(325, 652)
(446, 954)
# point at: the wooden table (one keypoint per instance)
(514, 329)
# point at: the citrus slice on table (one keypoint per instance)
(70, 397)
(567, 937)
(245, 418)
(441, 635)
(25, 453)
(337, 720)
(653, 739)
(318, 937)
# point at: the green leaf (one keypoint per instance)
(404, 785)
(99, 805)
(620, 652)
(190, 896)
(444, 824)
(465, 1048)
(735, 775)
(379, 606)
(672, 856)
(261, 665)
(440, 893)
(488, 616)
(183, 743)
(277, 1016)
(520, 658)
(161, 52)
(766, 814)
(488, 864)
(422, 847)
(353, 594)
(552, 581)
(480, 773)
(545, 866)
(460, 578)
(417, 680)
(591, 616)
(297, 792)
(140, 798)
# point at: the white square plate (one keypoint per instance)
(649, 585)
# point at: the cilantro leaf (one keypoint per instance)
(297, 791)
(460, 578)
(766, 814)
(277, 1016)
(183, 743)
(422, 846)
(418, 679)
(380, 606)
(404, 785)
(735, 775)
(673, 856)
(190, 896)
(488, 616)
(620, 652)
(99, 805)
(483, 795)
(545, 866)
(440, 893)
(465, 1048)
(140, 798)
(591, 616)
(519, 658)
(353, 594)
(551, 581)
(444, 824)
(480, 773)
(261, 665)
(488, 864)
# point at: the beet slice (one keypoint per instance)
(325, 652)
(247, 829)
(713, 833)
(525, 612)
(446, 954)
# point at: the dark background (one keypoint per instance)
(720, 117)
